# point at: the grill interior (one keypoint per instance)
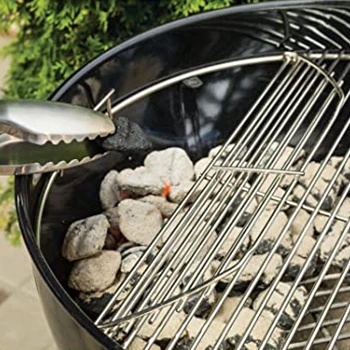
(307, 92)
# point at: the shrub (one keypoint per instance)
(55, 38)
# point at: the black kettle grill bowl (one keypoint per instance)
(177, 116)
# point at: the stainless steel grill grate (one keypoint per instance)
(306, 90)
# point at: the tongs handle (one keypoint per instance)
(40, 122)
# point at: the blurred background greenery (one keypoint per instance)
(55, 38)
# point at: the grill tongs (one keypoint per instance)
(42, 136)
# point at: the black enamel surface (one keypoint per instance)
(193, 118)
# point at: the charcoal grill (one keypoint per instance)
(250, 76)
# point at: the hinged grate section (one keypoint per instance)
(301, 105)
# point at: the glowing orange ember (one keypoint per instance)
(166, 190)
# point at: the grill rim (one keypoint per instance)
(25, 210)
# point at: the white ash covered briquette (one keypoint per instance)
(283, 157)
(139, 222)
(288, 179)
(337, 225)
(321, 184)
(163, 288)
(214, 151)
(336, 161)
(168, 331)
(140, 181)
(250, 271)
(130, 258)
(199, 168)
(344, 209)
(112, 217)
(209, 339)
(94, 303)
(233, 238)
(171, 165)
(201, 165)
(165, 207)
(298, 193)
(226, 202)
(109, 190)
(320, 222)
(191, 234)
(179, 192)
(276, 300)
(208, 301)
(249, 211)
(296, 165)
(267, 185)
(256, 336)
(194, 268)
(299, 224)
(139, 343)
(205, 305)
(342, 257)
(273, 233)
(299, 259)
(329, 243)
(229, 306)
(279, 192)
(235, 333)
(129, 261)
(85, 238)
(210, 212)
(96, 273)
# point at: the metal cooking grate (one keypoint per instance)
(308, 92)
(297, 83)
(303, 29)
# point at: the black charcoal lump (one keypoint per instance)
(128, 138)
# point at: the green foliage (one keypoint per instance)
(55, 38)
(8, 218)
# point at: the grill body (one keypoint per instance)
(155, 55)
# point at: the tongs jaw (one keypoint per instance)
(41, 136)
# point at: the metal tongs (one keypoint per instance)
(41, 136)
